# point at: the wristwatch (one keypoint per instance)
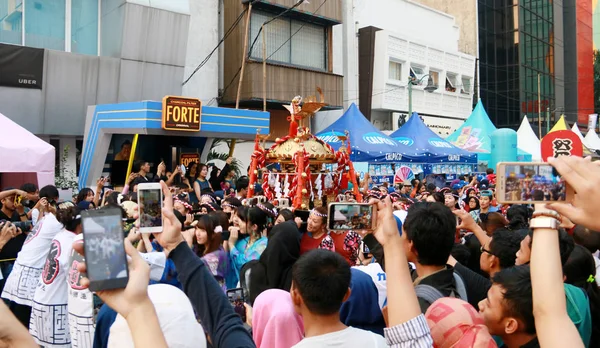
(544, 222)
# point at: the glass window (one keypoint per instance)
(395, 71)
(289, 41)
(435, 76)
(84, 26)
(466, 85)
(451, 82)
(11, 21)
(417, 75)
(45, 24)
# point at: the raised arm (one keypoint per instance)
(467, 223)
(552, 323)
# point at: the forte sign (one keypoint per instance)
(181, 114)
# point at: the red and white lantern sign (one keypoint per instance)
(561, 143)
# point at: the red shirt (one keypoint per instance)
(308, 243)
(347, 244)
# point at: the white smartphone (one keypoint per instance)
(530, 183)
(150, 207)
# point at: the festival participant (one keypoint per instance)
(580, 271)
(405, 189)
(451, 199)
(490, 222)
(12, 246)
(484, 206)
(23, 280)
(274, 322)
(361, 310)
(47, 324)
(85, 199)
(316, 236)
(202, 185)
(591, 241)
(495, 255)
(284, 215)
(472, 204)
(208, 248)
(454, 323)
(274, 267)
(428, 234)
(518, 217)
(271, 213)
(143, 169)
(245, 241)
(241, 188)
(320, 284)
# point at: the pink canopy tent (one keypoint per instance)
(21, 153)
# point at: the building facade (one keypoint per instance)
(412, 40)
(536, 59)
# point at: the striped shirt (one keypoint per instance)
(412, 334)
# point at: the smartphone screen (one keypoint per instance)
(236, 298)
(365, 249)
(150, 206)
(531, 183)
(105, 256)
(351, 216)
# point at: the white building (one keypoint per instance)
(409, 39)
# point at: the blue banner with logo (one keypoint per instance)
(427, 146)
(368, 143)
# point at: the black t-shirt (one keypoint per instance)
(12, 248)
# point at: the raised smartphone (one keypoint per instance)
(237, 299)
(150, 207)
(530, 183)
(351, 216)
(105, 256)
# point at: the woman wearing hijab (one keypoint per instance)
(274, 268)
(362, 310)
(455, 323)
(275, 323)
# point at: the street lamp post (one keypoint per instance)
(429, 88)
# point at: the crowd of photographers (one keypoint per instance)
(480, 274)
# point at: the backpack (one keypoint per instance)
(431, 294)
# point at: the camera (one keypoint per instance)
(28, 203)
(25, 226)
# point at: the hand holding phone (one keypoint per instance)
(237, 300)
(352, 216)
(127, 298)
(530, 183)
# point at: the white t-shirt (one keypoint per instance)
(49, 315)
(23, 280)
(80, 305)
(349, 337)
(379, 278)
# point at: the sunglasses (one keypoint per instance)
(484, 250)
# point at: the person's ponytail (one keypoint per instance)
(68, 216)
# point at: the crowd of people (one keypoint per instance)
(440, 267)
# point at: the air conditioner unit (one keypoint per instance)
(398, 119)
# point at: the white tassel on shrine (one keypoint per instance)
(277, 187)
(319, 186)
(271, 180)
(328, 181)
(286, 186)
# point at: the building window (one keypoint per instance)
(450, 83)
(11, 21)
(45, 24)
(84, 26)
(289, 41)
(417, 74)
(466, 85)
(435, 76)
(395, 71)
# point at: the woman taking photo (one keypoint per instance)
(208, 247)
(246, 242)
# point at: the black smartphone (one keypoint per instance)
(302, 214)
(237, 299)
(365, 249)
(105, 255)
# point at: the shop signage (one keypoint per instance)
(21, 67)
(561, 143)
(181, 114)
(187, 158)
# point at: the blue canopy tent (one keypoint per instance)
(429, 146)
(368, 144)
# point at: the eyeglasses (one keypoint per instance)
(484, 250)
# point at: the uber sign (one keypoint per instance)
(21, 66)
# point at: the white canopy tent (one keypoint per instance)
(591, 140)
(527, 141)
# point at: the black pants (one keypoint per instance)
(22, 312)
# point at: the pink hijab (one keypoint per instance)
(275, 324)
(454, 323)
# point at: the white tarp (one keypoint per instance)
(527, 141)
